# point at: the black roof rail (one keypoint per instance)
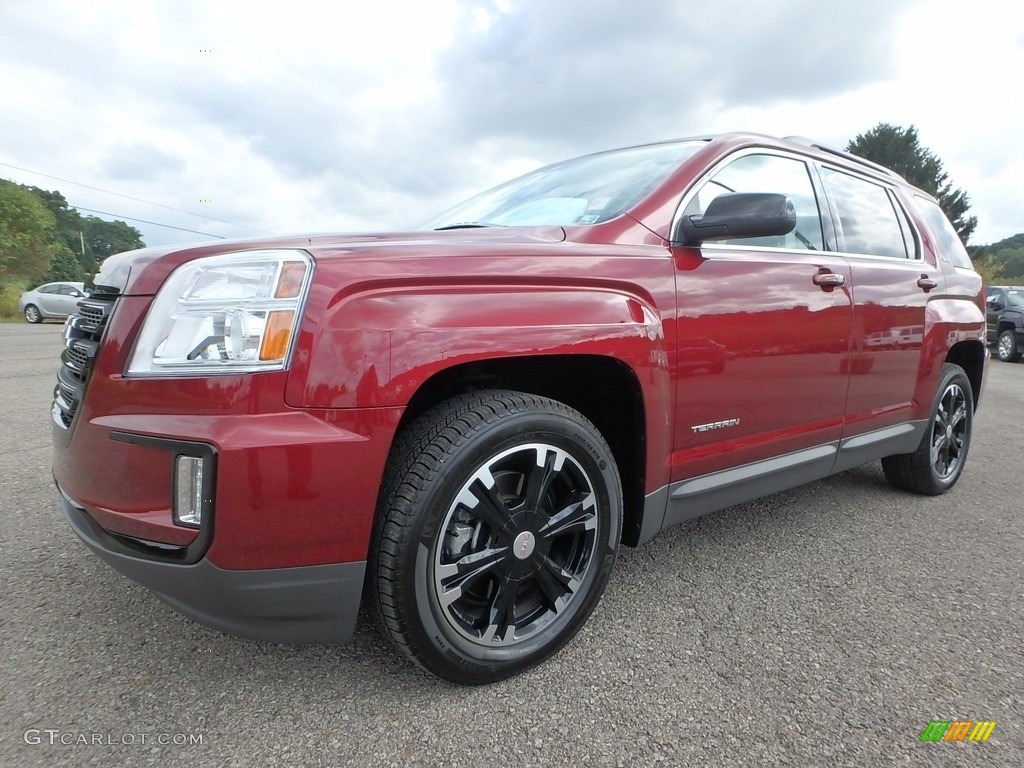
(844, 154)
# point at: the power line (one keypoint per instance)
(154, 223)
(136, 199)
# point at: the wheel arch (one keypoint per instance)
(586, 383)
(970, 355)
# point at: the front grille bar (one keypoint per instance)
(82, 335)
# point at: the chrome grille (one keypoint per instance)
(82, 335)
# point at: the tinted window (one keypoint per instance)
(946, 238)
(868, 222)
(51, 288)
(767, 173)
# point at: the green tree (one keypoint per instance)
(65, 266)
(900, 150)
(1006, 259)
(991, 271)
(1011, 262)
(105, 238)
(90, 239)
(27, 241)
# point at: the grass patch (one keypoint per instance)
(9, 295)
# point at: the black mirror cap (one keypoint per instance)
(739, 214)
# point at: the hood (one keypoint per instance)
(141, 272)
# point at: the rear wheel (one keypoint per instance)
(497, 529)
(32, 314)
(1006, 346)
(939, 460)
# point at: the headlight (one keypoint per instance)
(224, 314)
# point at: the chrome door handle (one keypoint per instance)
(828, 280)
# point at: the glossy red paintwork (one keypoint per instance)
(710, 334)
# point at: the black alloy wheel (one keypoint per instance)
(497, 530)
(939, 460)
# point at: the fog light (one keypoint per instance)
(188, 491)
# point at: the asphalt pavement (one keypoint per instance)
(827, 625)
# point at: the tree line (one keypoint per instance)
(42, 238)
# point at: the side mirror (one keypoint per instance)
(77, 294)
(737, 215)
(995, 305)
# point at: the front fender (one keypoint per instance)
(375, 347)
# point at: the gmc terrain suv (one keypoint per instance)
(466, 421)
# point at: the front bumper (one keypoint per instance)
(306, 604)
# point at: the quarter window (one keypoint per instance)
(767, 173)
(868, 222)
(949, 243)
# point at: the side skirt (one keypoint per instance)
(692, 498)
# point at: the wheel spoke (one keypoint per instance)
(540, 477)
(453, 577)
(489, 508)
(959, 415)
(502, 613)
(557, 584)
(578, 517)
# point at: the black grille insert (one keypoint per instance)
(82, 335)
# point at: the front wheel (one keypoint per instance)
(498, 525)
(1006, 346)
(939, 460)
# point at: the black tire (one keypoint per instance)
(939, 460)
(32, 314)
(497, 528)
(1006, 346)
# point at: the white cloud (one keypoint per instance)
(314, 117)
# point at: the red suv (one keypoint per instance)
(466, 421)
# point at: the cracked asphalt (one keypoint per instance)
(826, 625)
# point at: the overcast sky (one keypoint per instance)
(240, 118)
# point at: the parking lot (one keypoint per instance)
(827, 625)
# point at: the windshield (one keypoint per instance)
(587, 190)
(1015, 298)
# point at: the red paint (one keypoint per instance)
(710, 334)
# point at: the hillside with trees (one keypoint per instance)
(42, 238)
(1004, 260)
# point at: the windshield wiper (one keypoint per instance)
(467, 225)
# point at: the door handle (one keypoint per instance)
(828, 281)
(926, 283)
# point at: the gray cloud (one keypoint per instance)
(578, 71)
(141, 161)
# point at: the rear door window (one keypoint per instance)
(869, 221)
